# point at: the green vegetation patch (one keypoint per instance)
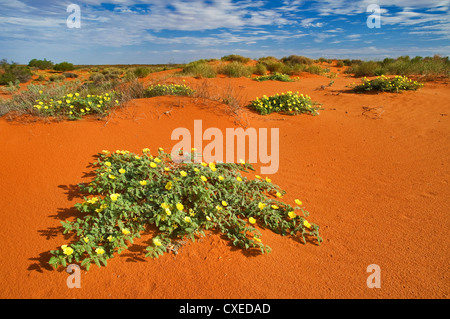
(286, 103)
(131, 192)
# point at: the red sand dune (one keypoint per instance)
(376, 182)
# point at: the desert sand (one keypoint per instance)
(373, 170)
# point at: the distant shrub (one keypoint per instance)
(236, 69)
(63, 66)
(260, 69)
(97, 77)
(115, 73)
(56, 77)
(70, 75)
(295, 59)
(315, 69)
(340, 64)
(12, 72)
(41, 64)
(141, 72)
(199, 69)
(235, 58)
(368, 68)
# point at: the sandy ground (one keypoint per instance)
(377, 183)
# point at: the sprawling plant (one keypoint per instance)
(287, 103)
(131, 192)
(385, 84)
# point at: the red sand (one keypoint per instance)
(376, 183)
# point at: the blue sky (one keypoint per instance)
(180, 31)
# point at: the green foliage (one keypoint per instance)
(11, 72)
(199, 69)
(235, 58)
(141, 72)
(168, 89)
(384, 84)
(274, 77)
(63, 66)
(41, 64)
(74, 106)
(296, 59)
(287, 103)
(236, 69)
(130, 192)
(56, 77)
(260, 69)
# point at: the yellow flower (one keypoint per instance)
(145, 150)
(204, 164)
(168, 212)
(298, 202)
(187, 219)
(224, 203)
(203, 178)
(242, 161)
(268, 180)
(219, 207)
(239, 179)
(114, 197)
(125, 231)
(180, 206)
(221, 178)
(111, 176)
(157, 160)
(143, 183)
(261, 206)
(166, 169)
(252, 220)
(196, 170)
(274, 206)
(257, 239)
(279, 194)
(110, 238)
(122, 171)
(183, 173)
(137, 157)
(292, 215)
(169, 186)
(86, 239)
(105, 152)
(208, 218)
(161, 149)
(100, 251)
(68, 101)
(40, 92)
(67, 250)
(82, 111)
(157, 242)
(193, 149)
(306, 224)
(153, 165)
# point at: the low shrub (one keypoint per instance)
(235, 58)
(236, 69)
(384, 84)
(141, 72)
(64, 66)
(199, 69)
(41, 64)
(56, 77)
(131, 192)
(296, 59)
(70, 75)
(287, 103)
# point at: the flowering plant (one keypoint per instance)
(74, 106)
(385, 84)
(130, 192)
(287, 103)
